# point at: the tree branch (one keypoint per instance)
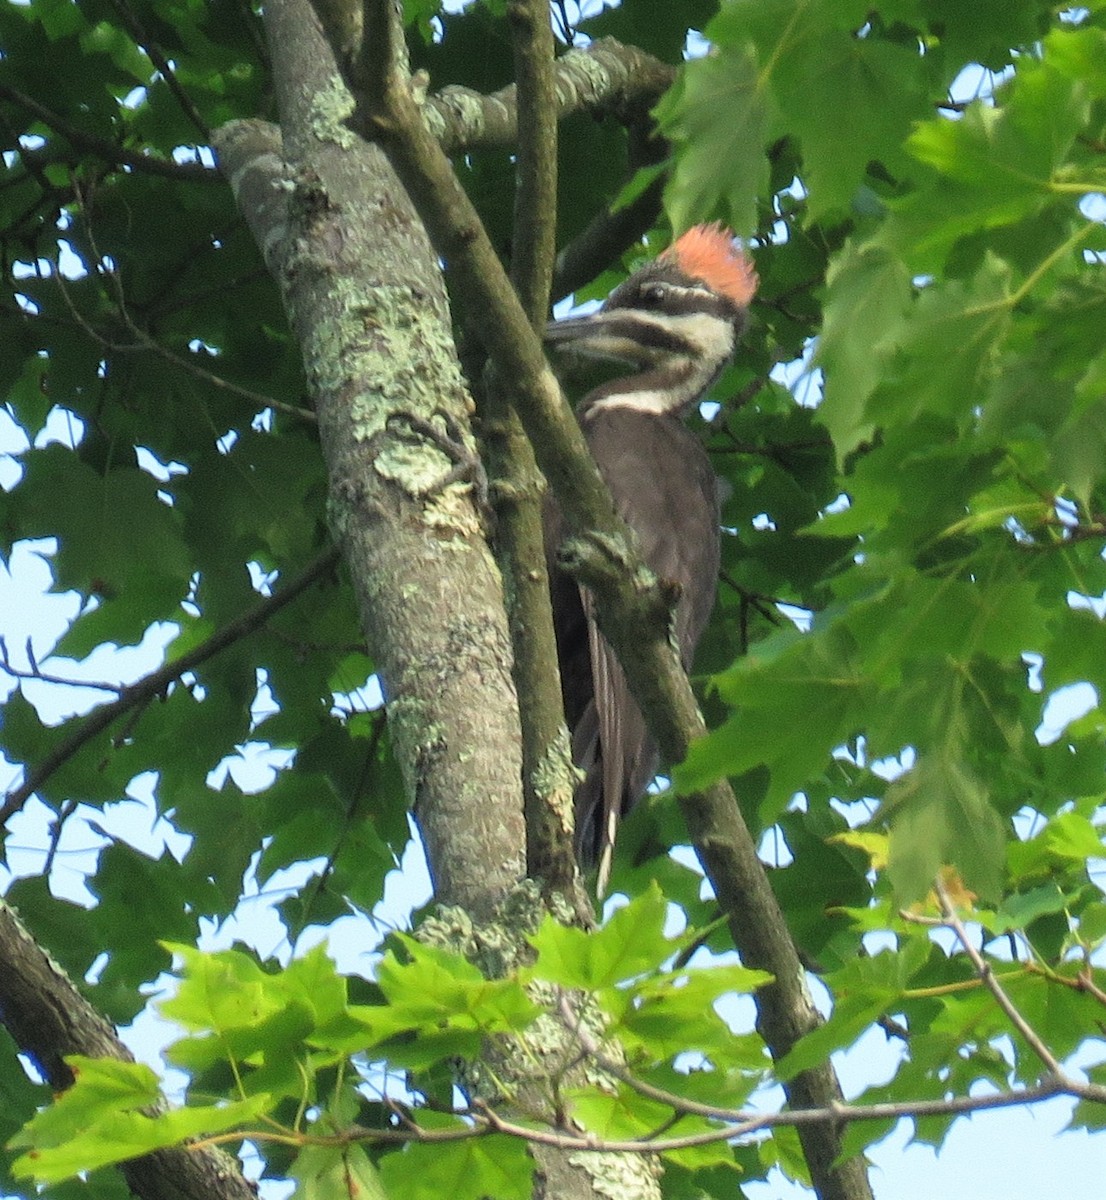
(144, 343)
(165, 69)
(105, 148)
(136, 694)
(990, 981)
(606, 238)
(548, 780)
(746, 1123)
(737, 1123)
(366, 301)
(605, 77)
(613, 230)
(535, 224)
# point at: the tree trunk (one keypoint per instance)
(365, 297)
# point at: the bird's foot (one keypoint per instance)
(450, 440)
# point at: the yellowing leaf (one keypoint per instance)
(875, 845)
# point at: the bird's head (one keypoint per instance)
(702, 280)
(677, 319)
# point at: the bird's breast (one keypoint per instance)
(664, 488)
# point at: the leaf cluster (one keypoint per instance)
(309, 1069)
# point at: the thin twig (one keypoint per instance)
(738, 1123)
(1085, 983)
(105, 148)
(316, 885)
(57, 829)
(144, 343)
(34, 672)
(612, 231)
(990, 981)
(225, 385)
(753, 1123)
(154, 54)
(156, 682)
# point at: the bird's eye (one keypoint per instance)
(652, 296)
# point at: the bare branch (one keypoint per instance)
(745, 1123)
(535, 223)
(112, 152)
(613, 231)
(154, 54)
(225, 385)
(738, 1123)
(520, 543)
(991, 982)
(609, 235)
(605, 77)
(144, 343)
(35, 672)
(146, 689)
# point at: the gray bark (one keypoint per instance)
(366, 300)
(365, 296)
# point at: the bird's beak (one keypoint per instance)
(609, 334)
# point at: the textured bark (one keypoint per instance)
(525, 1075)
(50, 1019)
(603, 77)
(365, 297)
(550, 778)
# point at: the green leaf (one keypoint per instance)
(329, 1172)
(940, 816)
(716, 118)
(137, 567)
(220, 992)
(436, 985)
(467, 1170)
(993, 167)
(868, 288)
(628, 1116)
(823, 72)
(98, 1121)
(821, 677)
(1020, 910)
(436, 1006)
(629, 944)
(865, 989)
(1068, 839)
(675, 1013)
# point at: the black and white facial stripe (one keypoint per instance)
(677, 329)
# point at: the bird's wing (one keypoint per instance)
(611, 698)
(664, 488)
(627, 754)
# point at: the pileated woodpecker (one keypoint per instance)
(677, 321)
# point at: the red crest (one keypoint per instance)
(708, 252)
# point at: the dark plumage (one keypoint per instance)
(676, 321)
